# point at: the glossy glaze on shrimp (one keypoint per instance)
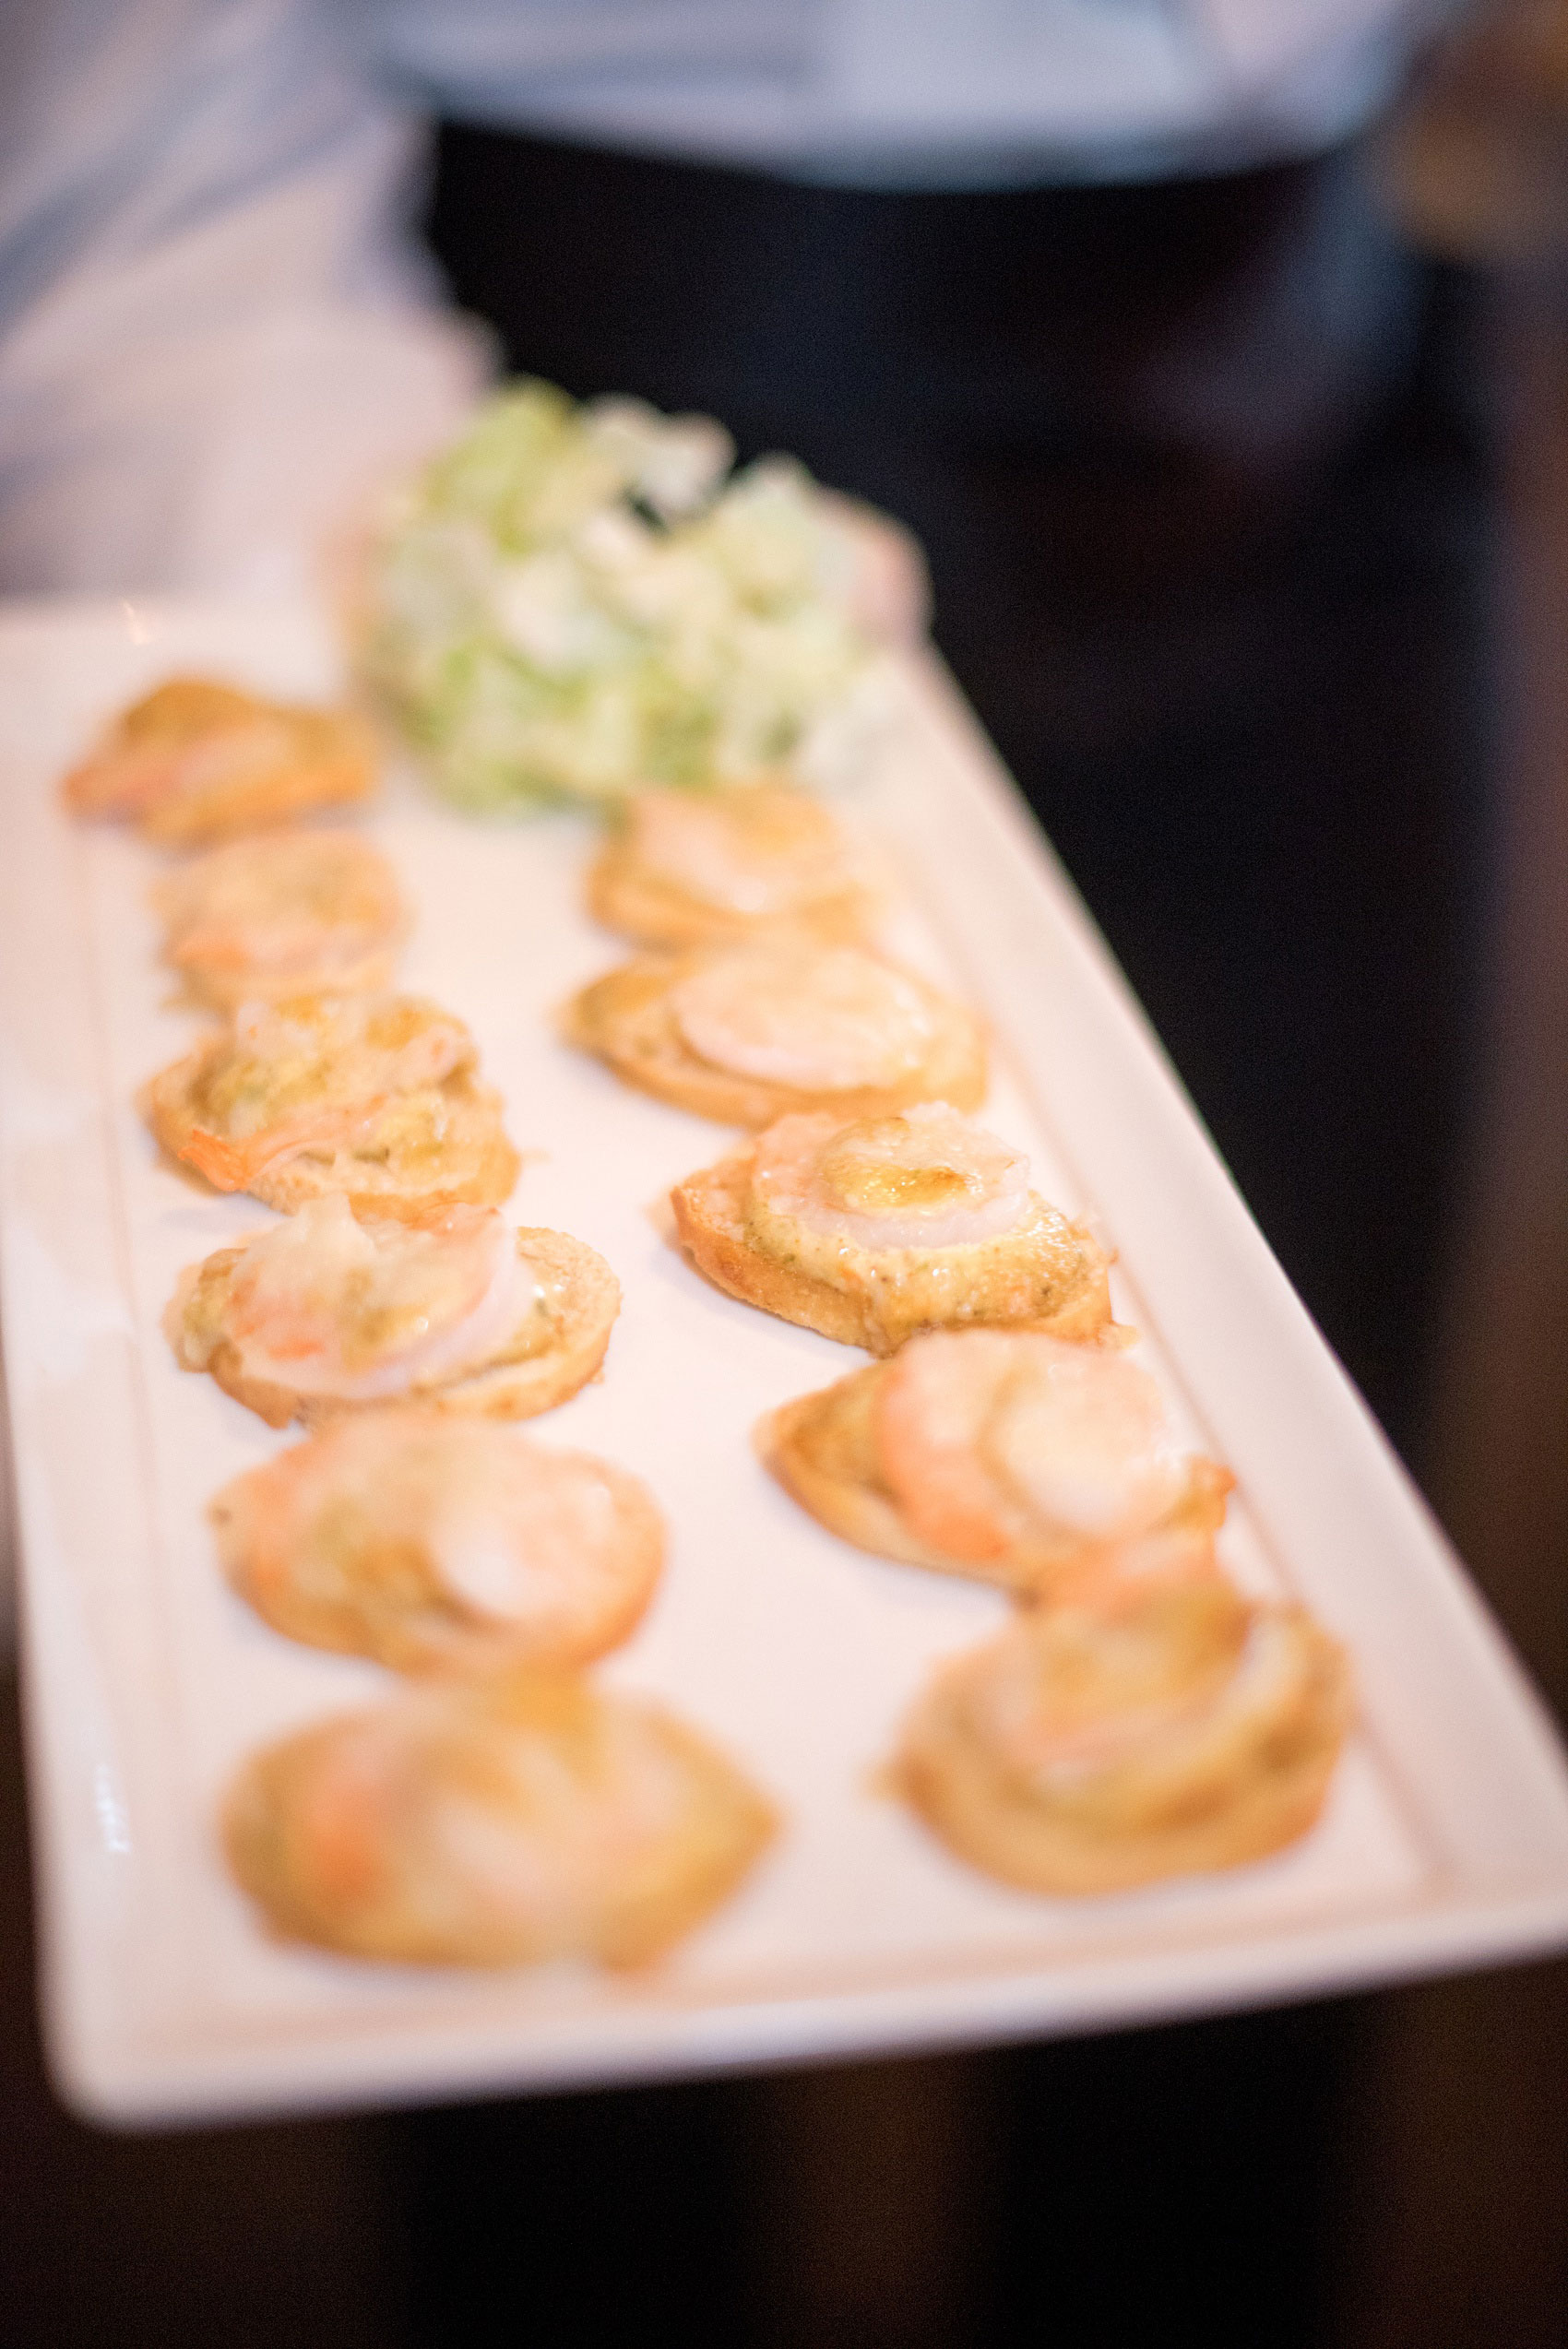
(927, 1178)
(873, 1230)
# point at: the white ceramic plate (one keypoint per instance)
(1446, 1837)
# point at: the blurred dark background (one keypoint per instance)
(1246, 506)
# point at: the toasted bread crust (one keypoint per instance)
(711, 1218)
(822, 1449)
(1266, 1791)
(584, 1299)
(624, 1019)
(624, 896)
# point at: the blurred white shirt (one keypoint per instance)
(217, 332)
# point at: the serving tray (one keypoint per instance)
(1445, 1840)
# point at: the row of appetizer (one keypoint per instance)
(1139, 1717)
(502, 1809)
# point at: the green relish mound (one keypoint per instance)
(576, 599)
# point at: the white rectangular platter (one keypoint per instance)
(1446, 1837)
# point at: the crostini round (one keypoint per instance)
(748, 1034)
(694, 868)
(374, 1096)
(497, 1822)
(877, 1228)
(1166, 1732)
(196, 761)
(332, 1311)
(434, 1542)
(284, 914)
(1009, 1456)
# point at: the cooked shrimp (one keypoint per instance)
(424, 1541)
(198, 761)
(1162, 1731)
(314, 1073)
(780, 1024)
(499, 1822)
(138, 760)
(328, 1306)
(929, 1178)
(334, 1310)
(818, 1019)
(288, 913)
(990, 1437)
(874, 1231)
(759, 852)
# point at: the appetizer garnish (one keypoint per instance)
(873, 1230)
(288, 913)
(746, 1034)
(374, 1095)
(685, 869)
(495, 1823)
(196, 761)
(1089, 1750)
(1004, 1454)
(574, 602)
(428, 1541)
(330, 1311)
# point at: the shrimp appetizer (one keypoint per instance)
(687, 868)
(331, 1311)
(429, 1542)
(874, 1230)
(495, 1823)
(1090, 1749)
(196, 761)
(1004, 1454)
(746, 1034)
(372, 1096)
(291, 913)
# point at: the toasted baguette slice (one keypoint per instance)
(555, 1351)
(1050, 1276)
(501, 1821)
(1194, 1732)
(438, 1541)
(823, 1450)
(624, 896)
(281, 914)
(195, 762)
(438, 1148)
(390, 1152)
(627, 1020)
(710, 867)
